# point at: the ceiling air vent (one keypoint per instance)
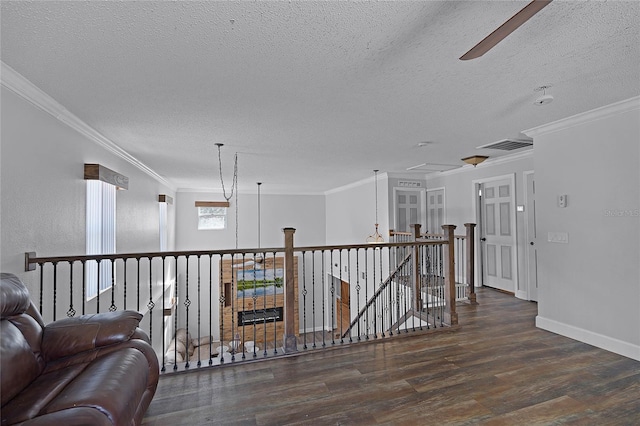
(508, 144)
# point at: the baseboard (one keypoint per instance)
(599, 340)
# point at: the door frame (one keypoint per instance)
(422, 202)
(528, 206)
(475, 210)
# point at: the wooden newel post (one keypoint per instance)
(450, 314)
(470, 255)
(290, 340)
(417, 274)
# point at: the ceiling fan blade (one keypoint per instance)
(505, 29)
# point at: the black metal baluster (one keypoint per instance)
(349, 299)
(187, 303)
(358, 287)
(112, 307)
(223, 298)
(341, 296)
(239, 342)
(304, 300)
(324, 343)
(392, 282)
(275, 310)
(55, 288)
(163, 368)
(138, 285)
(84, 286)
(98, 287)
(175, 314)
(71, 312)
(332, 289)
(41, 287)
(211, 308)
(366, 293)
(124, 290)
(199, 363)
(313, 295)
(150, 305)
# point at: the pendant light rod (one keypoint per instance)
(259, 184)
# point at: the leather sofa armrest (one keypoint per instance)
(70, 336)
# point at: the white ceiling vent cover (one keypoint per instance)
(508, 144)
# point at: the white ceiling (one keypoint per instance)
(315, 95)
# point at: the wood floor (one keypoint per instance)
(496, 369)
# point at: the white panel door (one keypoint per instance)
(408, 209)
(498, 235)
(435, 210)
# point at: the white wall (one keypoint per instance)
(351, 211)
(305, 213)
(589, 288)
(460, 198)
(43, 191)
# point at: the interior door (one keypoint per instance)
(532, 251)
(409, 209)
(498, 236)
(435, 210)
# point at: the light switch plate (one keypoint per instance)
(558, 237)
(562, 200)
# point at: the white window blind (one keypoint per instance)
(100, 234)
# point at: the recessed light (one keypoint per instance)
(423, 144)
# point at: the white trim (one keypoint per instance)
(621, 107)
(527, 250)
(248, 191)
(592, 338)
(22, 87)
(383, 175)
(488, 163)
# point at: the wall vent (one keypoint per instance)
(508, 144)
(410, 183)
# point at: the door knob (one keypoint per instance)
(483, 239)
(531, 243)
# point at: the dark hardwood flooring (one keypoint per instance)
(496, 369)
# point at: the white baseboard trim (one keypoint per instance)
(595, 339)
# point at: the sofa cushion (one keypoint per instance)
(72, 335)
(14, 296)
(18, 363)
(113, 384)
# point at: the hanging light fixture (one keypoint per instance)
(376, 237)
(475, 159)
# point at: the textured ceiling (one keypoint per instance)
(315, 95)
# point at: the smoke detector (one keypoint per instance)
(544, 99)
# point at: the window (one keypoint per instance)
(212, 218)
(164, 201)
(102, 185)
(212, 214)
(101, 234)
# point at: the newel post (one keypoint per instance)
(470, 254)
(417, 274)
(450, 314)
(290, 340)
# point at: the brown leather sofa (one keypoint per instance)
(87, 370)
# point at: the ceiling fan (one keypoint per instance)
(505, 29)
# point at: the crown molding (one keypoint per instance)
(383, 175)
(585, 117)
(22, 87)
